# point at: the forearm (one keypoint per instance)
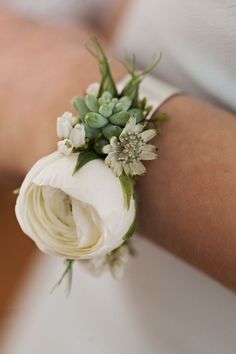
(42, 67)
(188, 197)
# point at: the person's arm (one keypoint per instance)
(41, 68)
(188, 196)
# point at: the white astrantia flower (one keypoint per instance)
(126, 152)
(93, 89)
(65, 147)
(78, 216)
(77, 135)
(65, 125)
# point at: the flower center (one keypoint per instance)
(130, 147)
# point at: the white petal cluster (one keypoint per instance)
(126, 152)
(77, 135)
(73, 134)
(64, 125)
(79, 216)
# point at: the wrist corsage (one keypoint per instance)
(79, 202)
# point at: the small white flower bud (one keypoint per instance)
(93, 89)
(65, 147)
(64, 125)
(77, 135)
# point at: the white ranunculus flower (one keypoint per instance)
(77, 216)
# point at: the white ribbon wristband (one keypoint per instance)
(156, 90)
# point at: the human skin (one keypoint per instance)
(42, 67)
(188, 197)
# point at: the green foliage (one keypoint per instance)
(131, 89)
(107, 82)
(158, 119)
(92, 103)
(91, 133)
(85, 157)
(99, 144)
(127, 185)
(137, 113)
(133, 226)
(67, 273)
(111, 130)
(120, 118)
(123, 104)
(80, 107)
(105, 109)
(95, 120)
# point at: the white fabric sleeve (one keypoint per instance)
(155, 90)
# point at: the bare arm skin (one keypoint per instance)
(188, 197)
(41, 68)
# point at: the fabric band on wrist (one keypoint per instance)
(155, 90)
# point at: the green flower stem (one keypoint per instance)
(67, 272)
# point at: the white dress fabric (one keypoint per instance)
(197, 40)
(162, 305)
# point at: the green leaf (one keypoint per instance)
(162, 117)
(105, 110)
(95, 120)
(80, 106)
(92, 103)
(131, 89)
(120, 118)
(91, 133)
(99, 144)
(111, 130)
(85, 157)
(133, 226)
(158, 120)
(123, 104)
(67, 272)
(107, 83)
(137, 113)
(127, 185)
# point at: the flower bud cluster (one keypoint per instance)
(73, 134)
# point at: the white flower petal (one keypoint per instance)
(139, 128)
(101, 208)
(64, 127)
(77, 135)
(107, 149)
(148, 155)
(149, 134)
(149, 147)
(127, 169)
(130, 126)
(113, 141)
(93, 89)
(117, 168)
(137, 168)
(65, 147)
